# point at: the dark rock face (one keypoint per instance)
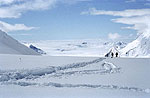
(37, 49)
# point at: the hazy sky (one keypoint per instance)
(74, 19)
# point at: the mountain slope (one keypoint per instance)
(139, 47)
(8, 45)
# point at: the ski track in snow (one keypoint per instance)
(10, 77)
(59, 85)
(86, 72)
(35, 73)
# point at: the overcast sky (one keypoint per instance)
(74, 19)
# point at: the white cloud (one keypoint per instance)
(73, 1)
(15, 8)
(3, 2)
(128, 1)
(16, 27)
(139, 23)
(125, 13)
(137, 19)
(113, 36)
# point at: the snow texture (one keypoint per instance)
(51, 76)
(87, 47)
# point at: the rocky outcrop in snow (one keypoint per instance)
(38, 50)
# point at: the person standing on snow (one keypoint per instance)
(112, 55)
(116, 54)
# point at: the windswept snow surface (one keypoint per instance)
(8, 45)
(73, 77)
(86, 47)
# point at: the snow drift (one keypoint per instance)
(8, 45)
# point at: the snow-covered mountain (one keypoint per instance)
(114, 50)
(119, 45)
(8, 45)
(139, 47)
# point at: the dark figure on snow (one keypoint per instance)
(116, 54)
(107, 55)
(112, 55)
